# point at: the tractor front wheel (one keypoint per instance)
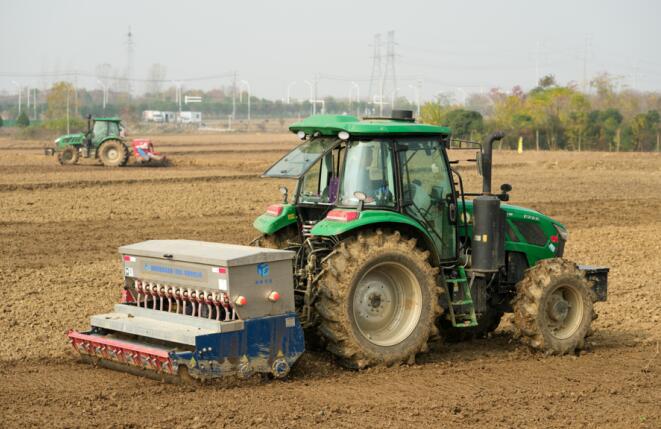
(378, 300)
(69, 156)
(553, 308)
(113, 153)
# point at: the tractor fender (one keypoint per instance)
(276, 217)
(379, 219)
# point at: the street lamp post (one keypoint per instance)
(312, 100)
(291, 84)
(19, 96)
(357, 87)
(68, 91)
(392, 95)
(416, 91)
(105, 94)
(245, 82)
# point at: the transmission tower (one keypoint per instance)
(129, 62)
(377, 70)
(389, 70)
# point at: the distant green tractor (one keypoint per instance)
(103, 140)
(391, 251)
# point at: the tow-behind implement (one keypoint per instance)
(200, 309)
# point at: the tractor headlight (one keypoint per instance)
(562, 232)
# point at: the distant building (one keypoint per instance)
(190, 117)
(152, 116)
(172, 117)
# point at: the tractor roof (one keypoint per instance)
(332, 124)
(108, 119)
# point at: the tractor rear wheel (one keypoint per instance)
(553, 308)
(113, 153)
(378, 300)
(282, 239)
(69, 156)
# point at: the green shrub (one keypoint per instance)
(23, 120)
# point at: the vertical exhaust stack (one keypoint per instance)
(488, 241)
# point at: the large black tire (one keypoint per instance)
(113, 153)
(386, 277)
(69, 156)
(553, 308)
(487, 322)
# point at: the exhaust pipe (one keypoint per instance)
(487, 156)
(488, 241)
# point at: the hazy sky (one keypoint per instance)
(449, 45)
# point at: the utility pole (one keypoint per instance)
(34, 102)
(129, 62)
(245, 82)
(234, 97)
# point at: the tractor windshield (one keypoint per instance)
(368, 169)
(298, 161)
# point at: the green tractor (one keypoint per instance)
(392, 252)
(103, 140)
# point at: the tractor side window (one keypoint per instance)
(113, 129)
(319, 185)
(100, 128)
(368, 169)
(427, 189)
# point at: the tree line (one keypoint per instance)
(549, 116)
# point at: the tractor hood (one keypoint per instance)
(516, 212)
(69, 137)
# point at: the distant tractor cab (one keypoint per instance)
(103, 140)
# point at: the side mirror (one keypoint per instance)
(504, 189)
(478, 159)
(361, 197)
(285, 192)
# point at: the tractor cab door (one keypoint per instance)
(427, 191)
(99, 132)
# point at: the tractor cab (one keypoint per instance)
(101, 129)
(389, 167)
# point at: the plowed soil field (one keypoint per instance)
(59, 232)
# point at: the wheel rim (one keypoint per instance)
(112, 154)
(564, 311)
(67, 156)
(387, 304)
